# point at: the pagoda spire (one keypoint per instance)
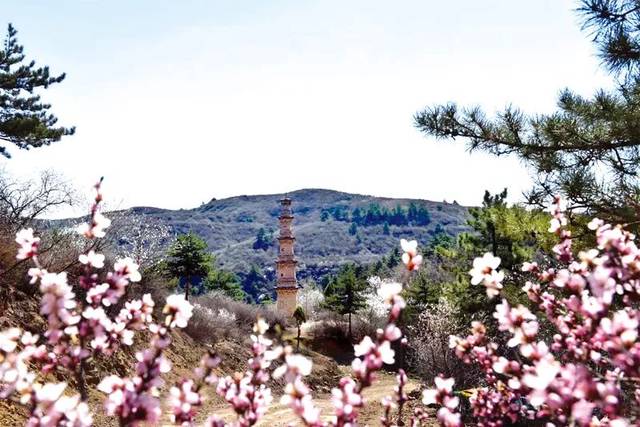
(286, 282)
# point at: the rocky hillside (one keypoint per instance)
(332, 228)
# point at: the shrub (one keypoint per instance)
(217, 316)
(428, 352)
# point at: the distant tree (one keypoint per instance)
(300, 317)
(24, 120)
(256, 285)
(394, 258)
(412, 213)
(374, 214)
(263, 240)
(225, 282)
(423, 217)
(189, 259)
(141, 238)
(266, 299)
(440, 240)
(356, 216)
(398, 216)
(353, 229)
(345, 293)
(324, 215)
(385, 229)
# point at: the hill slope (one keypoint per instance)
(230, 227)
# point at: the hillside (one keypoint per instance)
(324, 241)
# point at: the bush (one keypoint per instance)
(428, 353)
(217, 316)
(331, 326)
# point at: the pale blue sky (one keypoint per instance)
(176, 102)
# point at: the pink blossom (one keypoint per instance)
(183, 401)
(180, 310)
(128, 269)
(410, 256)
(96, 228)
(389, 290)
(484, 270)
(92, 259)
(345, 399)
(28, 244)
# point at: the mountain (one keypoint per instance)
(326, 236)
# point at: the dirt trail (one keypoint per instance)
(279, 415)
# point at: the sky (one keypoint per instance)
(179, 102)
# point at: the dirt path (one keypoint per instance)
(279, 415)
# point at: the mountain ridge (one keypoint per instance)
(331, 227)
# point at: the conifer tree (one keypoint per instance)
(188, 258)
(345, 294)
(300, 317)
(589, 149)
(223, 281)
(25, 121)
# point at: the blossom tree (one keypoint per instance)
(588, 373)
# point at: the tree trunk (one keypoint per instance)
(494, 242)
(298, 343)
(82, 383)
(187, 288)
(350, 334)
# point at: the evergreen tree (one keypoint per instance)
(345, 294)
(263, 240)
(225, 282)
(356, 216)
(589, 149)
(353, 229)
(423, 217)
(300, 317)
(398, 216)
(412, 214)
(188, 258)
(394, 258)
(266, 299)
(24, 120)
(256, 285)
(513, 233)
(385, 229)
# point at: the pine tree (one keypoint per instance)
(256, 285)
(356, 216)
(24, 120)
(385, 229)
(188, 258)
(589, 149)
(223, 281)
(345, 294)
(300, 317)
(263, 240)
